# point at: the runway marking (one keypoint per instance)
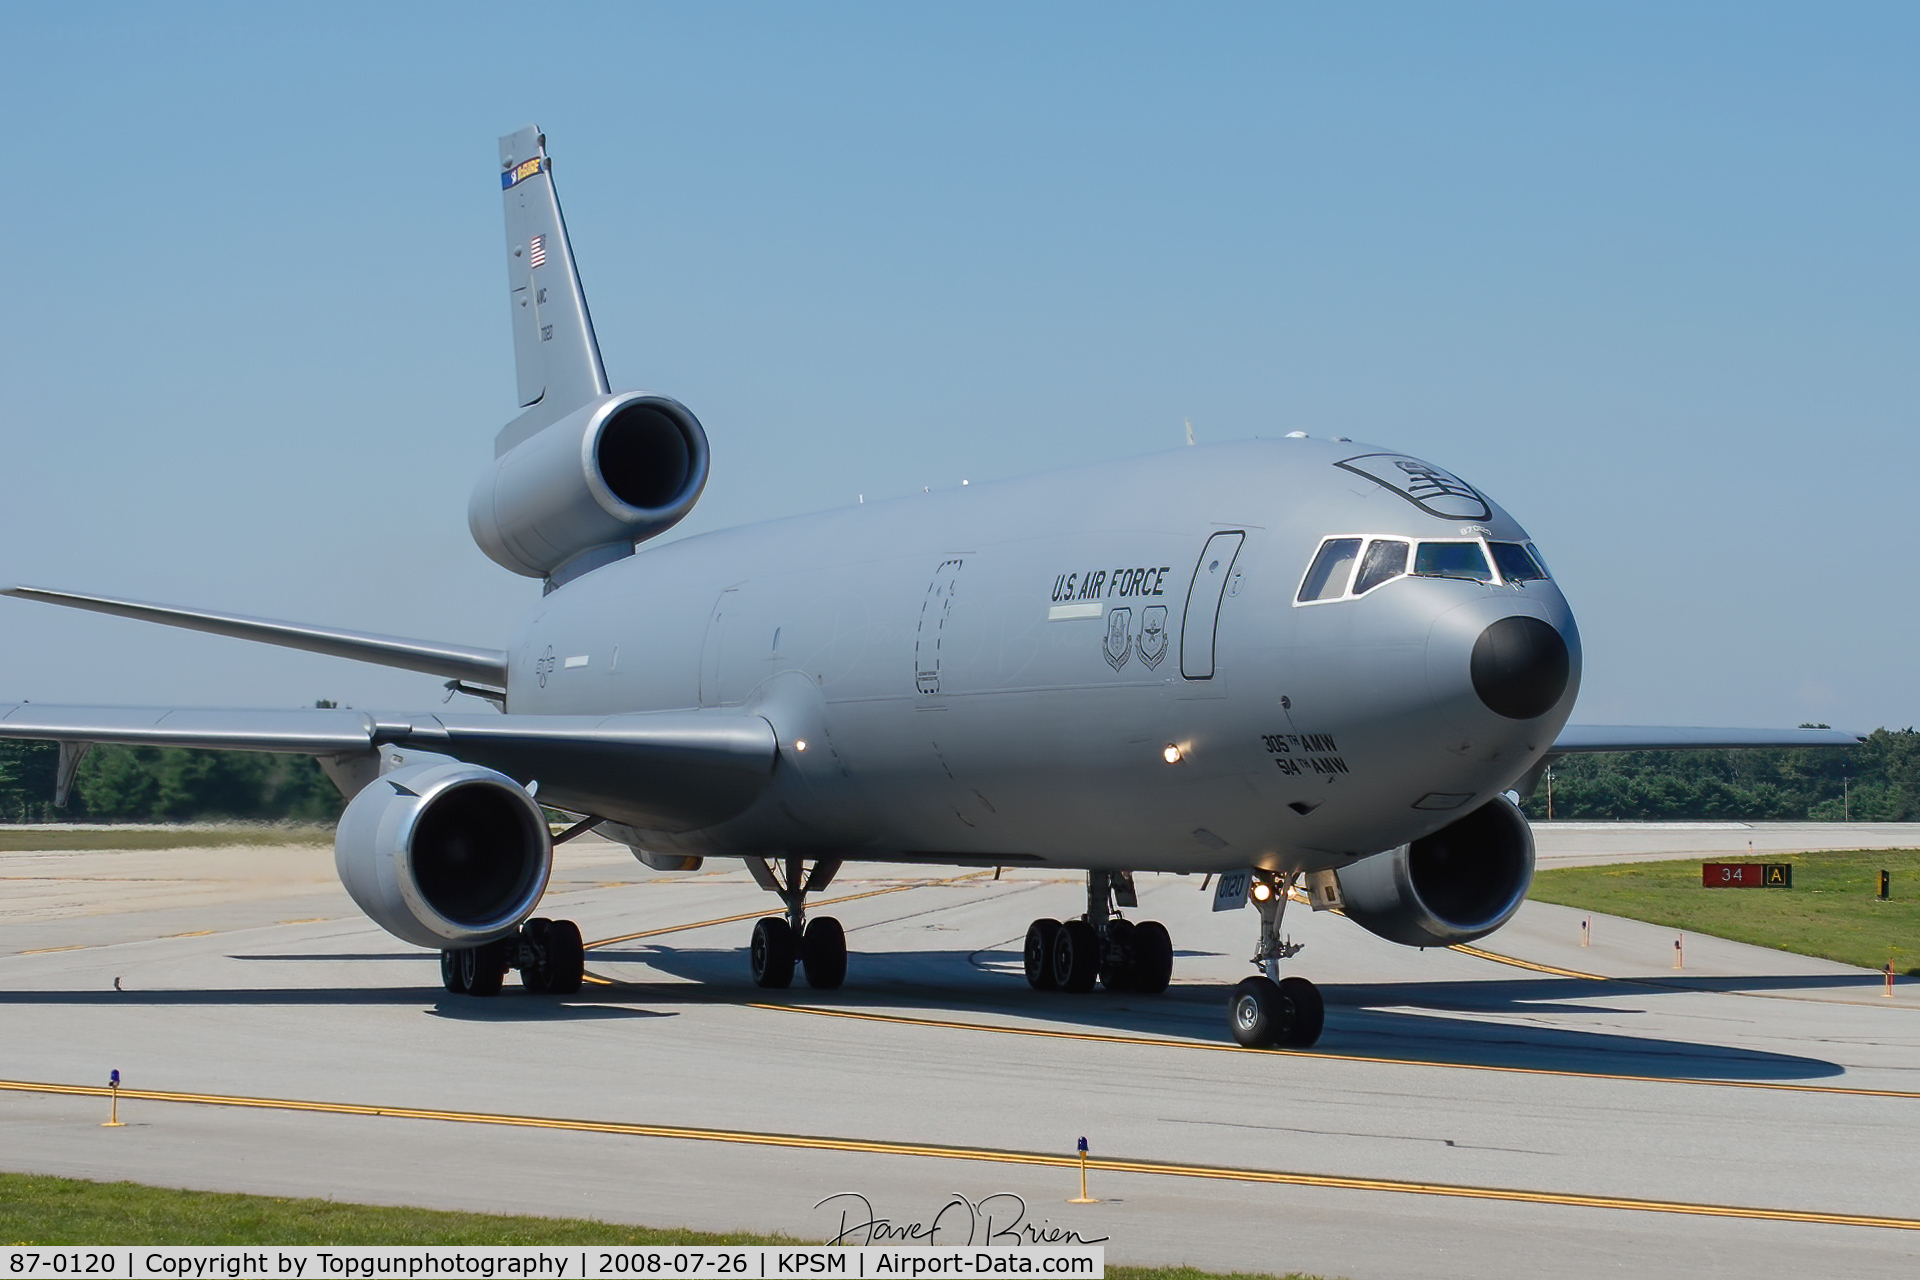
(992, 1155)
(198, 933)
(47, 951)
(1518, 963)
(1206, 1046)
(755, 915)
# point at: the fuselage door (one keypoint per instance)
(930, 635)
(712, 645)
(1209, 584)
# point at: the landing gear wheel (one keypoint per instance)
(1076, 956)
(823, 952)
(483, 969)
(1254, 1014)
(1288, 1013)
(1039, 954)
(1152, 967)
(772, 953)
(566, 958)
(1309, 1013)
(1116, 958)
(450, 976)
(534, 976)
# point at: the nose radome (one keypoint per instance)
(1520, 667)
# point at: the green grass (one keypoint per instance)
(53, 838)
(59, 1211)
(1830, 912)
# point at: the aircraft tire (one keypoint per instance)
(1307, 1013)
(450, 976)
(823, 953)
(566, 958)
(1117, 961)
(772, 953)
(1076, 956)
(1255, 1013)
(482, 969)
(1039, 954)
(534, 977)
(1152, 948)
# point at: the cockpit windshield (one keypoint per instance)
(1355, 564)
(1452, 560)
(1517, 563)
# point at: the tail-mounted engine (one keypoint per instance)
(444, 854)
(1460, 883)
(581, 492)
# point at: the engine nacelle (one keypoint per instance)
(622, 469)
(1460, 883)
(444, 854)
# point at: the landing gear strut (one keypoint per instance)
(818, 945)
(549, 954)
(1270, 1010)
(1122, 954)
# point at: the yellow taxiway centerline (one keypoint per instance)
(755, 915)
(991, 1155)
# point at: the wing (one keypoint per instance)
(1578, 738)
(461, 662)
(665, 771)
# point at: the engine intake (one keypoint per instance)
(444, 854)
(581, 492)
(1460, 883)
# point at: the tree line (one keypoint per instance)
(1878, 781)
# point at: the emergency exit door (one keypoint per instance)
(1204, 594)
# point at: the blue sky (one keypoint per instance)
(1644, 272)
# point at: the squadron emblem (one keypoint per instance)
(1119, 637)
(1153, 635)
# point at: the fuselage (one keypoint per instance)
(1110, 666)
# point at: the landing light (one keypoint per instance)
(1171, 754)
(1262, 891)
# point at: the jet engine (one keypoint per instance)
(1460, 883)
(444, 854)
(581, 492)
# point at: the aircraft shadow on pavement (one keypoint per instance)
(1413, 1021)
(434, 1000)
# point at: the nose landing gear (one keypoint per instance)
(1269, 1010)
(819, 946)
(1121, 954)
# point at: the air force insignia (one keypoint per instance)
(1436, 492)
(1119, 638)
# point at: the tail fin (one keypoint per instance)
(554, 350)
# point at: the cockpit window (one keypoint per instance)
(1452, 560)
(1327, 579)
(1385, 560)
(1517, 563)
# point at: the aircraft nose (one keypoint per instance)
(1520, 667)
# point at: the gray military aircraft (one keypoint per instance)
(1314, 668)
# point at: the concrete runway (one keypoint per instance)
(1538, 1109)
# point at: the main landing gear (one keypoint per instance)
(549, 954)
(1123, 955)
(1270, 1010)
(819, 945)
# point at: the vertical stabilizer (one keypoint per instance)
(555, 355)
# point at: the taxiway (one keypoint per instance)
(1532, 1108)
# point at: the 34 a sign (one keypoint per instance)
(1746, 875)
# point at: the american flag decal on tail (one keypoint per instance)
(537, 254)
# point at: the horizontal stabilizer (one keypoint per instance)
(1627, 737)
(458, 661)
(657, 771)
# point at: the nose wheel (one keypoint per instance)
(1288, 1013)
